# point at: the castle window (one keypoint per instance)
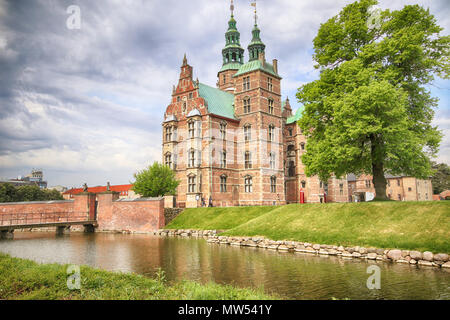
(303, 184)
(247, 132)
(191, 127)
(223, 160)
(191, 95)
(168, 134)
(223, 130)
(341, 189)
(270, 106)
(191, 184)
(247, 105)
(272, 160)
(409, 189)
(269, 84)
(398, 182)
(224, 78)
(223, 183)
(290, 132)
(191, 162)
(302, 146)
(271, 132)
(273, 184)
(168, 160)
(246, 84)
(368, 183)
(248, 184)
(248, 160)
(178, 99)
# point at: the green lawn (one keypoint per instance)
(405, 225)
(25, 279)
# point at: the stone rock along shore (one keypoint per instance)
(426, 258)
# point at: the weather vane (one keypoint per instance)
(253, 4)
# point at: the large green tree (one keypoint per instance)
(370, 111)
(10, 193)
(155, 181)
(441, 177)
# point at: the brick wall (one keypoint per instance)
(138, 215)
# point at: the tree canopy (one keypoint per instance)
(10, 193)
(370, 111)
(441, 177)
(155, 181)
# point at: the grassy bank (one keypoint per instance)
(405, 225)
(25, 279)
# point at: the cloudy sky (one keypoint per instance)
(86, 105)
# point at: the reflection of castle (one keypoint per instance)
(240, 143)
(36, 177)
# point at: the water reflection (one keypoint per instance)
(295, 276)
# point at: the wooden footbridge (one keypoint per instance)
(61, 220)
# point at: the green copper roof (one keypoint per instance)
(231, 66)
(297, 116)
(256, 65)
(219, 102)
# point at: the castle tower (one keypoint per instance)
(233, 55)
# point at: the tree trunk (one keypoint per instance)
(379, 181)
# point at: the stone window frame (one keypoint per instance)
(273, 184)
(191, 129)
(246, 102)
(246, 83)
(247, 132)
(192, 158)
(303, 184)
(223, 183)
(168, 159)
(248, 160)
(270, 103)
(269, 84)
(168, 133)
(248, 184)
(271, 132)
(223, 159)
(272, 160)
(192, 183)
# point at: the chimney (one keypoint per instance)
(275, 65)
(262, 57)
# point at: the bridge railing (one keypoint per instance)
(39, 218)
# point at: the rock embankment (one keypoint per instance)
(426, 258)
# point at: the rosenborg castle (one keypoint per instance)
(238, 144)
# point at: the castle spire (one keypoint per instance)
(256, 46)
(232, 53)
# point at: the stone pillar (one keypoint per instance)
(105, 208)
(7, 234)
(85, 203)
(62, 230)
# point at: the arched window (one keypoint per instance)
(273, 184)
(303, 184)
(248, 184)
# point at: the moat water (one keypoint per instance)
(292, 275)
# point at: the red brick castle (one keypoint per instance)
(238, 143)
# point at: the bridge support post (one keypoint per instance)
(89, 228)
(62, 230)
(7, 234)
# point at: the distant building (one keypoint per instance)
(125, 191)
(36, 177)
(58, 188)
(400, 188)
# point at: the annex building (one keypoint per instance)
(239, 144)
